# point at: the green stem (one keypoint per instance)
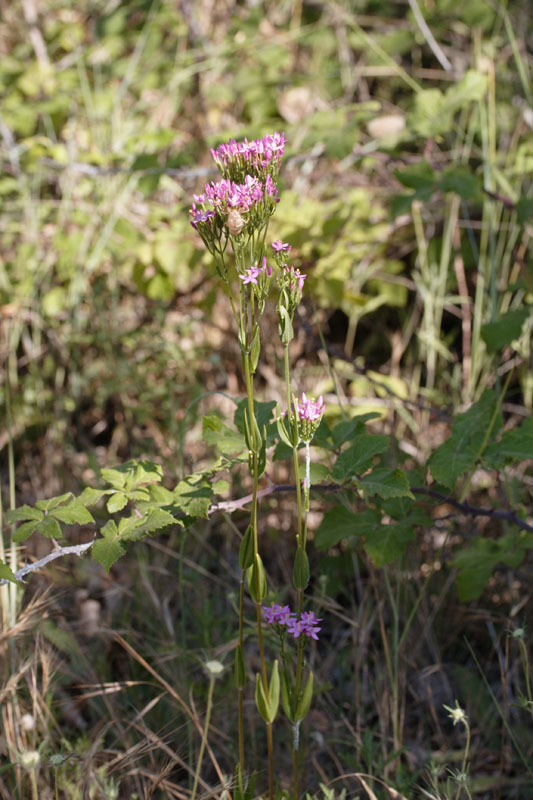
(465, 759)
(204, 736)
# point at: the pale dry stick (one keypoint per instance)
(34, 34)
(428, 36)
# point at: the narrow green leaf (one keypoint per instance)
(257, 582)
(300, 573)
(240, 671)
(273, 692)
(304, 703)
(246, 550)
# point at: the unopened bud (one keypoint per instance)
(235, 223)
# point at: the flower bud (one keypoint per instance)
(235, 223)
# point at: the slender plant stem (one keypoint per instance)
(204, 736)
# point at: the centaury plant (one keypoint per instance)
(232, 217)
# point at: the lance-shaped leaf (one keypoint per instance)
(304, 703)
(239, 674)
(257, 582)
(300, 573)
(246, 550)
(268, 702)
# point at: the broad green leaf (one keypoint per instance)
(524, 209)
(155, 520)
(263, 413)
(461, 181)
(477, 561)
(419, 176)
(226, 439)
(461, 451)
(90, 496)
(341, 523)
(74, 512)
(358, 458)
(385, 543)
(304, 703)
(6, 573)
(115, 477)
(319, 472)
(193, 499)
(106, 552)
(49, 527)
(25, 530)
(23, 513)
(347, 431)
(109, 530)
(514, 445)
(386, 483)
(54, 502)
(116, 502)
(505, 330)
(142, 472)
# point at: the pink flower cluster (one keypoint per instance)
(282, 615)
(310, 410)
(260, 154)
(253, 273)
(225, 196)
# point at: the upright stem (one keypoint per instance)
(204, 736)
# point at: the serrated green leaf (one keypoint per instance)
(348, 431)
(505, 330)
(193, 499)
(477, 561)
(461, 451)
(524, 209)
(109, 530)
(227, 440)
(386, 543)
(49, 527)
(358, 458)
(25, 530)
(90, 496)
(515, 445)
(6, 573)
(23, 513)
(54, 502)
(341, 523)
(73, 513)
(461, 181)
(115, 477)
(263, 412)
(106, 552)
(386, 483)
(116, 502)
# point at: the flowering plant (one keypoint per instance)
(232, 217)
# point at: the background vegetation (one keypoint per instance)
(406, 194)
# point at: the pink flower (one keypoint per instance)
(279, 246)
(307, 624)
(250, 275)
(310, 410)
(276, 614)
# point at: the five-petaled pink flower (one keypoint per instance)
(250, 275)
(309, 409)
